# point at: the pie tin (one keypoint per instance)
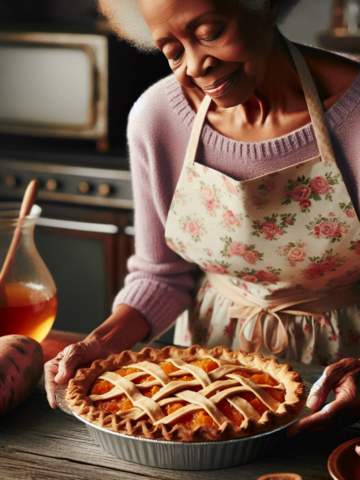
(184, 455)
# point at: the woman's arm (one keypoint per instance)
(160, 283)
(121, 331)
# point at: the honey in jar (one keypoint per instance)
(28, 298)
(26, 311)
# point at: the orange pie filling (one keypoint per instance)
(121, 402)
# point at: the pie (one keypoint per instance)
(192, 394)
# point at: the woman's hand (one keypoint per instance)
(344, 378)
(63, 367)
(121, 331)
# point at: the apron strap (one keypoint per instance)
(314, 105)
(196, 131)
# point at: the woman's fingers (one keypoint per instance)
(50, 370)
(62, 368)
(319, 392)
(73, 356)
(333, 415)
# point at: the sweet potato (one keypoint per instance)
(21, 366)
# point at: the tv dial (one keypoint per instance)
(84, 187)
(11, 181)
(104, 190)
(51, 184)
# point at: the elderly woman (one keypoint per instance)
(259, 207)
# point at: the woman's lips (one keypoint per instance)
(220, 87)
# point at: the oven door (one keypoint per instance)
(86, 253)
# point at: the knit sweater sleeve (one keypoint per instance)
(160, 283)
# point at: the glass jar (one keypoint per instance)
(28, 299)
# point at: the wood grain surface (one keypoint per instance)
(37, 442)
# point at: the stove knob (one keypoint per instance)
(51, 184)
(104, 190)
(11, 181)
(83, 187)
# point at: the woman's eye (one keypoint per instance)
(215, 37)
(177, 57)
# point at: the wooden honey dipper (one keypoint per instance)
(26, 206)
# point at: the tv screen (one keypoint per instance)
(45, 85)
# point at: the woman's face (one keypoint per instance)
(218, 46)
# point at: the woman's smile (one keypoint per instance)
(219, 87)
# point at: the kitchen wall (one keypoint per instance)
(307, 19)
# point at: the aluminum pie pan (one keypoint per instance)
(184, 455)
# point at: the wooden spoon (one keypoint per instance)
(26, 205)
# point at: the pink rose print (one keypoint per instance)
(236, 249)
(319, 185)
(317, 232)
(190, 177)
(357, 247)
(192, 228)
(329, 229)
(259, 202)
(229, 186)
(266, 276)
(353, 338)
(270, 229)
(230, 220)
(177, 194)
(214, 268)
(229, 330)
(251, 256)
(300, 193)
(343, 229)
(296, 254)
(269, 186)
(249, 278)
(331, 214)
(305, 204)
(327, 265)
(350, 213)
(208, 193)
(211, 205)
(313, 270)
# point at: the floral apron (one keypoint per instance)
(281, 252)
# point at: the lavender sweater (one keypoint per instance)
(160, 283)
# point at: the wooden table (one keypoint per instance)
(39, 443)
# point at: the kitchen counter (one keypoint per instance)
(37, 442)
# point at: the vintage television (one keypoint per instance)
(71, 85)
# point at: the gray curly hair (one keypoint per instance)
(127, 22)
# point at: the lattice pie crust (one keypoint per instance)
(147, 418)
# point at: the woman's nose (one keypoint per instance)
(198, 65)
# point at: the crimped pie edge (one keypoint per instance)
(82, 405)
